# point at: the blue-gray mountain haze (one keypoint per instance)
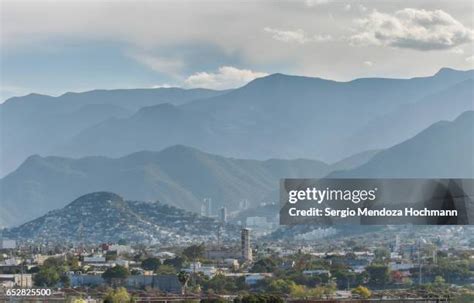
(180, 146)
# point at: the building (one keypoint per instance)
(317, 272)
(243, 204)
(94, 260)
(197, 267)
(164, 283)
(222, 253)
(253, 279)
(16, 280)
(223, 215)
(245, 244)
(206, 208)
(121, 249)
(7, 244)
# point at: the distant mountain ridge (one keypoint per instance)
(183, 176)
(178, 175)
(277, 116)
(39, 124)
(443, 150)
(106, 217)
(281, 116)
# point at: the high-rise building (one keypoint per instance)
(245, 242)
(244, 204)
(207, 202)
(223, 215)
(396, 247)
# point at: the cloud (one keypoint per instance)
(311, 3)
(164, 85)
(457, 50)
(410, 28)
(295, 36)
(369, 63)
(470, 59)
(322, 38)
(170, 66)
(298, 36)
(362, 8)
(225, 77)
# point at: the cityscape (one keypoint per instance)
(251, 259)
(232, 151)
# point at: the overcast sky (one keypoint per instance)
(53, 47)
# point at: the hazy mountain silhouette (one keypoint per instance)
(287, 117)
(39, 124)
(408, 119)
(443, 150)
(179, 176)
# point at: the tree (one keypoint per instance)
(439, 281)
(329, 289)
(116, 274)
(119, 295)
(176, 262)
(221, 284)
(73, 264)
(362, 291)
(47, 276)
(151, 264)
(263, 265)
(281, 286)
(378, 274)
(381, 254)
(54, 262)
(51, 273)
(194, 252)
(65, 280)
(183, 278)
(166, 270)
(317, 292)
(298, 291)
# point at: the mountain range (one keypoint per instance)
(277, 116)
(183, 176)
(39, 124)
(378, 127)
(443, 150)
(180, 176)
(289, 117)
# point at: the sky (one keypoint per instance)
(52, 47)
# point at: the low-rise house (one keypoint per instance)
(253, 279)
(164, 283)
(400, 266)
(94, 260)
(208, 271)
(232, 263)
(121, 249)
(317, 272)
(16, 280)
